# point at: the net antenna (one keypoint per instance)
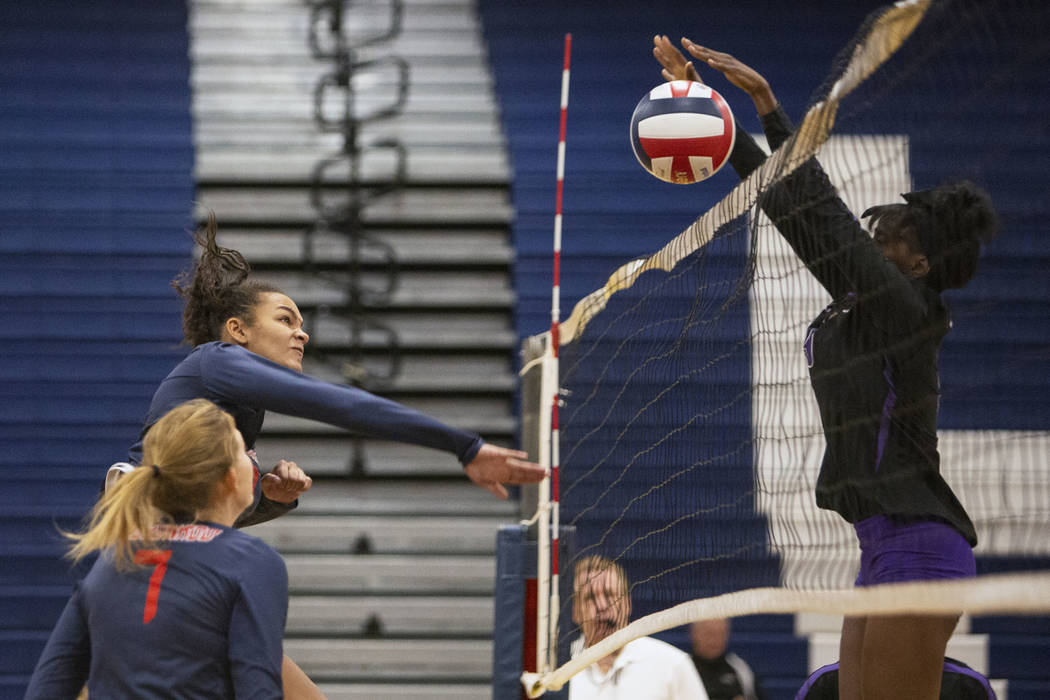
(987, 595)
(548, 600)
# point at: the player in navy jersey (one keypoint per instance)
(248, 343)
(872, 356)
(179, 604)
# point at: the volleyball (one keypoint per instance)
(682, 132)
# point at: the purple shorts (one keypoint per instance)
(894, 550)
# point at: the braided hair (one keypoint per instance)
(950, 222)
(216, 288)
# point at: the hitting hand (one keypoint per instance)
(494, 466)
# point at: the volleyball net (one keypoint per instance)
(690, 441)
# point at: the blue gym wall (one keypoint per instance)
(96, 191)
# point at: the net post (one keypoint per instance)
(548, 388)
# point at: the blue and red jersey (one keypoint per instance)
(201, 615)
(247, 385)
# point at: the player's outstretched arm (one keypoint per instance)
(492, 467)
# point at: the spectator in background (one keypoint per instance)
(644, 669)
(725, 675)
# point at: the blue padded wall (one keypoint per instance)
(96, 191)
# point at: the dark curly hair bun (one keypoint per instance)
(216, 288)
(959, 217)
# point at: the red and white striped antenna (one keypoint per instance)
(547, 649)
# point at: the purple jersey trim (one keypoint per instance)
(887, 412)
(813, 678)
(970, 673)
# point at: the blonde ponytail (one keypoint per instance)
(185, 454)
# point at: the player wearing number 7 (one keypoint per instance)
(179, 604)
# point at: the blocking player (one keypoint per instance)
(873, 357)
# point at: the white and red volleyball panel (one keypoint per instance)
(682, 131)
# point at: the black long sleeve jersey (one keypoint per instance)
(872, 353)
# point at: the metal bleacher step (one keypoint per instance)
(417, 498)
(442, 14)
(462, 534)
(356, 574)
(422, 289)
(327, 660)
(468, 131)
(288, 48)
(427, 164)
(441, 616)
(246, 206)
(461, 372)
(390, 573)
(439, 332)
(479, 414)
(285, 246)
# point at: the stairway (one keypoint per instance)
(390, 555)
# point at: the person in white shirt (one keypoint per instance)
(645, 669)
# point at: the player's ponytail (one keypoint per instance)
(185, 454)
(216, 288)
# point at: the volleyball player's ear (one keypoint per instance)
(235, 330)
(920, 267)
(228, 483)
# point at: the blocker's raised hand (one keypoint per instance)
(674, 64)
(737, 72)
(494, 466)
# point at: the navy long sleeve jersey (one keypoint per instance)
(247, 385)
(872, 353)
(203, 617)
